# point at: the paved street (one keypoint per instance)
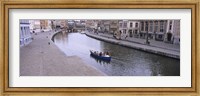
(39, 58)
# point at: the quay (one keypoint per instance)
(43, 58)
(159, 49)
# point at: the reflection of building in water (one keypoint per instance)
(25, 35)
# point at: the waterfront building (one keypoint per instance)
(123, 28)
(79, 27)
(57, 23)
(161, 30)
(91, 25)
(155, 29)
(100, 26)
(114, 28)
(133, 28)
(70, 25)
(63, 24)
(25, 34)
(45, 25)
(88, 24)
(52, 24)
(106, 26)
(173, 31)
(34, 26)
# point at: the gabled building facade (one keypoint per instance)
(133, 28)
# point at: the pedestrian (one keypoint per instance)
(126, 36)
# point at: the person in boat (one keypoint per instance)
(100, 54)
(97, 52)
(105, 54)
(94, 52)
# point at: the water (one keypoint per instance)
(125, 61)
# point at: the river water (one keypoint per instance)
(125, 61)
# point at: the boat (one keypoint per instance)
(82, 32)
(93, 54)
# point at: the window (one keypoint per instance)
(151, 26)
(170, 27)
(156, 26)
(136, 31)
(142, 26)
(161, 26)
(146, 26)
(21, 31)
(131, 24)
(125, 25)
(170, 22)
(24, 31)
(120, 24)
(136, 25)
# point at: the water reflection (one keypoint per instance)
(125, 61)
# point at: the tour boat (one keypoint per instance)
(106, 58)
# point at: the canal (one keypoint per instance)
(125, 61)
